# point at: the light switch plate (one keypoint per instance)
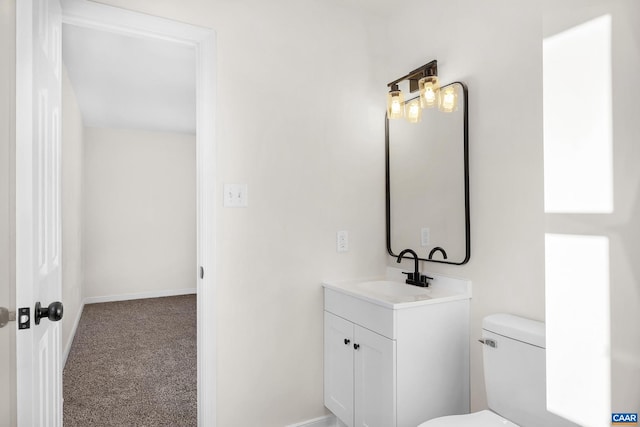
(235, 195)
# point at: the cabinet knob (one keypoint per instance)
(356, 346)
(347, 341)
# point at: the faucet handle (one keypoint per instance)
(417, 279)
(409, 275)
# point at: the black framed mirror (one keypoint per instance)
(427, 183)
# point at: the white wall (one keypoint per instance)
(308, 139)
(298, 120)
(318, 167)
(7, 206)
(495, 47)
(72, 223)
(621, 226)
(139, 213)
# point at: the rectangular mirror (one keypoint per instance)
(427, 171)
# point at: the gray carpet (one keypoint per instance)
(133, 363)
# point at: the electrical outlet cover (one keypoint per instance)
(424, 236)
(342, 241)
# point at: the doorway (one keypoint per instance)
(129, 267)
(92, 15)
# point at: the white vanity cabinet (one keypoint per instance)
(390, 364)
(359, 373)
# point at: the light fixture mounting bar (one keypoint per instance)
(429, 69)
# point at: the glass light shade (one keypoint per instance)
(395, 104)
(413, 111)
(448, 99)
(429, 91)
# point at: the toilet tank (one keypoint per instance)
(514, 370)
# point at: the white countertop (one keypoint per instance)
(391, 290)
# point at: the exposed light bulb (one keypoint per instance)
(448, 99)
(429, 96)
(413, 111)
(395, 103)
(396, 106)
(429, 89)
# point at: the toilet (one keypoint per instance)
(514, 369)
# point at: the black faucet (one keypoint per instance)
(416, 278)
(438, 249)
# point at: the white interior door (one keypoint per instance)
(38, 271)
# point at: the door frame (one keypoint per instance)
(108, 18)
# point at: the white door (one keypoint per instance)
(338, 367)
(375, 379)
(38, 93)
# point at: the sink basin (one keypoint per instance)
(394, 289)
(391, 290)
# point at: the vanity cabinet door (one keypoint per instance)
(338, 367)
(374, 379)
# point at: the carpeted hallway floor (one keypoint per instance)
(133, 363)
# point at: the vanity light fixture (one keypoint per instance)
(424, 79)
(395, 102)
(448, 99)
(413, 111)
(429, 91)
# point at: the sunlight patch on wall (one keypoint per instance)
(577, 328)
(578, 165)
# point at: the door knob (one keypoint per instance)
(53, 312)
(6, 316)
(347, 341)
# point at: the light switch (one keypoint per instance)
(235, 195)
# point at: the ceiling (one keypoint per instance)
(131, 82)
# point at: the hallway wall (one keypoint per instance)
(139, 213)
(72, 221)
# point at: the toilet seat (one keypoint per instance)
(477, 419)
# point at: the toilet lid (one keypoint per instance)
(477, 419)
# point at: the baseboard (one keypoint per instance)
(67, 346)
(326, 421)
(140, 295)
